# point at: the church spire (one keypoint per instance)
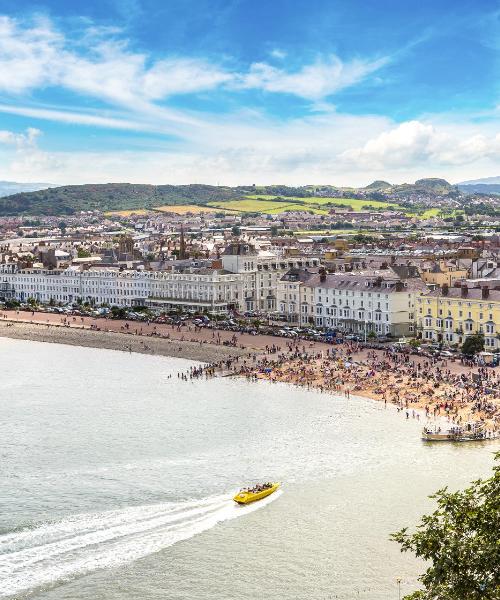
(182, 245)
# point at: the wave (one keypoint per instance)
(62, 550)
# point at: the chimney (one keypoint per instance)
(445, 289)
(465, 291)
(322, 274)
(485, 292)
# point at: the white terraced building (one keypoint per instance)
(362, 302)
(247, 281)
(97, 285)
(355, 302)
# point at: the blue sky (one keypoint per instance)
(237, 91)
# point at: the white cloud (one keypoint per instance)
(182, 76)
(327, 148)
(417, 143)
(99, 64)
(244, 146)
(38, 56)
(313, 82)
(80, 118)
(28, 56)
(277, 53)
(20, 140)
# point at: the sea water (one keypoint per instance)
(116, 480)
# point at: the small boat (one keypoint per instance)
(438, 435)
(247, 495)
(471, 432)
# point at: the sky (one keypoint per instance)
(231, 92)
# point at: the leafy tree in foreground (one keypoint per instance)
(461, 539)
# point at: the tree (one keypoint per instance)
(461, 541)
(235, 230)
(473, 344)
(118, 312)
(82, 253)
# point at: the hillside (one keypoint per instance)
(491, 185)
(70, 199)
(378, 185)
(430, 185)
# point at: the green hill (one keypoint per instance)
(71, 199)
(431, 185)
(378, 185)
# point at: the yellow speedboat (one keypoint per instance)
(247, 495)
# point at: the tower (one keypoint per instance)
(182, 245)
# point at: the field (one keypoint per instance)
(325, 203)
(126, 213)
(268, 207)
(182, 209)
(271, 205)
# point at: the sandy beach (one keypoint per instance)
(79, 336)
(435, 389)
(414, 387)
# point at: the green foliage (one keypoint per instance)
(481, 209)
(82, 253)
(12, 303)
(118, 312)
(461, 540)
(473, 344)
(71, 199)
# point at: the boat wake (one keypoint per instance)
(62, 550)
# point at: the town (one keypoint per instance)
(380, 277)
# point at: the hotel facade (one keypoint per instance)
(449, 315)
(244, 279)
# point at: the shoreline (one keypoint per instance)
(123, 342)
(314, 370)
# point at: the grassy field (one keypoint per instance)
(325, 203)
(126, 213)
(183, 209)
(268, 207)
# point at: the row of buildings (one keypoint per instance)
(367, 298)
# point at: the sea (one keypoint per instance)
(117, 477)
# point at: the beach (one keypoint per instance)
(419, 387)
(111, 340)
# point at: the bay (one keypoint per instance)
(116, 481)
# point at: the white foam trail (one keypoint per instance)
(62, 550)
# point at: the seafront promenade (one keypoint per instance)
(417, 386)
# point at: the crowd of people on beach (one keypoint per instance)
(389, 376)
(415, 385)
